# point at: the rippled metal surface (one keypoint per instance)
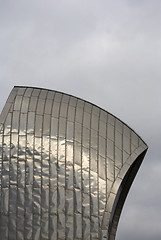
(62, 164)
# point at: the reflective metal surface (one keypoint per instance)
(66, 167)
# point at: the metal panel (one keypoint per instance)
(62, 163)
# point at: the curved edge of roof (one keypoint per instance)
(86, 102)
(122, 194)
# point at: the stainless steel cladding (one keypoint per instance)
(66, 166)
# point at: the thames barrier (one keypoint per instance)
(66, 167)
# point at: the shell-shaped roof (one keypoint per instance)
(66, 167)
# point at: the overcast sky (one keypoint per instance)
(106, 52)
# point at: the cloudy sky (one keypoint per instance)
(106, 52)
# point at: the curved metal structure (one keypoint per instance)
(66, 167)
